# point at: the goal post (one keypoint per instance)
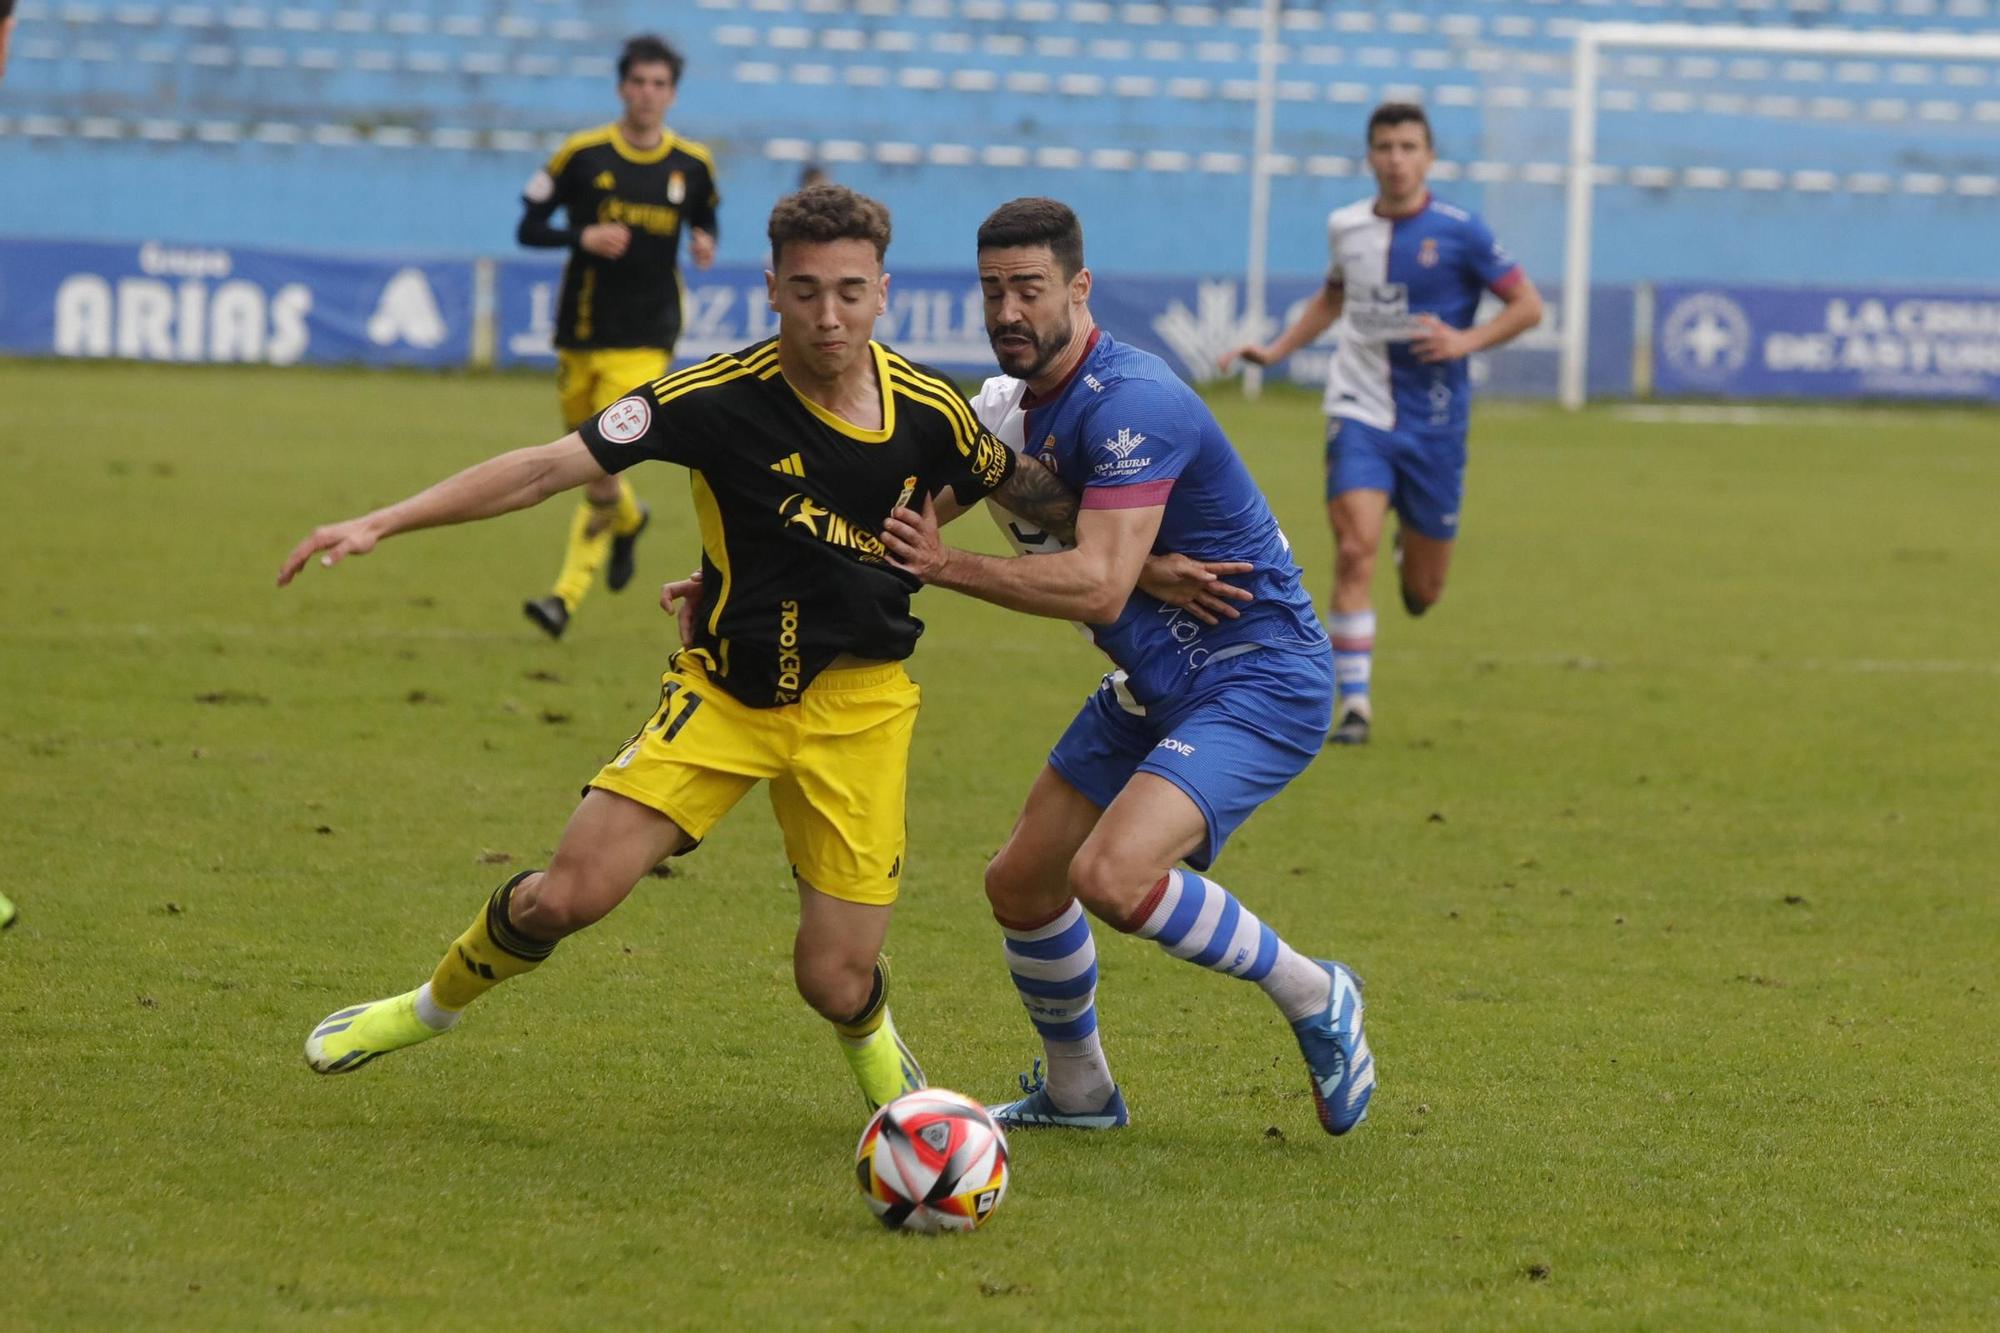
(1586, 67)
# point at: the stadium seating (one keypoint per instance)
(383, 126)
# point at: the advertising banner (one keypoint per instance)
(936, 318)
(1826, 342)
(158, 302)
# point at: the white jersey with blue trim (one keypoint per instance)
(1437, 260)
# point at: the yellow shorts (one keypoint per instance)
(837, 761)
(588, 382)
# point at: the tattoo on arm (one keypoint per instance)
(1037, 495)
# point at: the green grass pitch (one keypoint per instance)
(1671, 872)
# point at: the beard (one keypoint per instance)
(1024, 363)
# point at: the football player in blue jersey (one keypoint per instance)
(1205, 717)
(1406, 279)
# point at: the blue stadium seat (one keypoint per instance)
(413, 123)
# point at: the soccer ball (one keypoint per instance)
(932, 1160)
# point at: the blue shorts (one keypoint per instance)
(1244, 728)
(1423, 471)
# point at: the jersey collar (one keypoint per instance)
(642, 156)
(842, 424)
(1422, 204)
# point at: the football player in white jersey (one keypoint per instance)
(1407, 274)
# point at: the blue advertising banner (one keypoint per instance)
(935, 318)
(1826, 342)
(157, 302)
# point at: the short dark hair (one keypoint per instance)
(1036, 221)
(646, 49)
(1400, 113)
(828, 212)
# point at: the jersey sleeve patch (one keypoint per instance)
(626, 420)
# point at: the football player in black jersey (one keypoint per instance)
(627, 191)
(799, 447)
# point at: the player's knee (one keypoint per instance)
(554, 903)
(1010, 888)
(1106, 885)
(1352, 554)
(1421, 593)
(837, 987)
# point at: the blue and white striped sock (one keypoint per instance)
(1353, 635)
(1054, 966)
(1199, 921)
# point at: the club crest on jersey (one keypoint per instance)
(1427, 253)
(1047, 457)
(677, 188)
(625, 420)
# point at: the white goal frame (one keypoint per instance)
(1593, 38)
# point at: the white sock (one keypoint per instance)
(431, 1013)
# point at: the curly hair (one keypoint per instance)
(828, 213)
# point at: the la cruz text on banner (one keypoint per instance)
(1826, 342)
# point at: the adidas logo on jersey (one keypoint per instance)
(791, 466)
(605, 181)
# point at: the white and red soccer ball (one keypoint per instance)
(932, 1160)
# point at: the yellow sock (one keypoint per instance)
(589, 547)
(627, 521)
(488, 953)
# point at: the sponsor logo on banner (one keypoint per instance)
(194, 303)
(407, 313)
(1780, 342)
(1706, 337)
(186, 304)
(1200, 336)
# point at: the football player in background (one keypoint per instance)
(1406, 278)
(6, 35)
(627, 191)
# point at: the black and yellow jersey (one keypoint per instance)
(791, 500)
(596, 176)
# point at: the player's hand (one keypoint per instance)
(1195, 586)
(336, 541)
(606, 240)
(913, 542)
(1440, 341)
(678, 599)
(701, 246)
(1252, 353)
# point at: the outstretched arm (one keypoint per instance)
(1090, 582)
(1315, 319)
(498, 486)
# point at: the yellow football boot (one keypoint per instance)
(347, 1039)
(882, 1065)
